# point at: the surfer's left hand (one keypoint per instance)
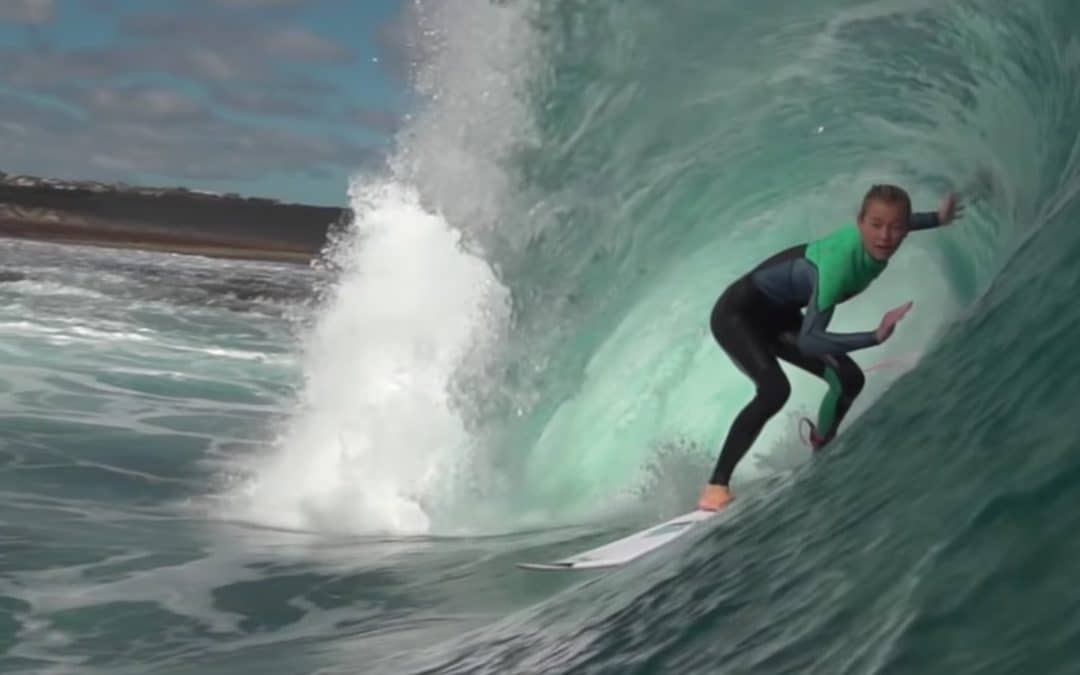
(950, 209)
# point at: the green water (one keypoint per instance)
(207, 467)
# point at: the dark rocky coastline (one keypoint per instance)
(164, 219)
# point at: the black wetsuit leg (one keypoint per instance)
(754, 331)
(747, 327)
(840, 372)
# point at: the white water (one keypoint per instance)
(375, 433)
(375, 440)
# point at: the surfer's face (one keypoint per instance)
(883, 227)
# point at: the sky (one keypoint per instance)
(283, 99)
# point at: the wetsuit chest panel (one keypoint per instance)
(844, 268)
(817, 276)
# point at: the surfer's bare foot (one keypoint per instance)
(714, 498)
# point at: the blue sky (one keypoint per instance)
(277, 98)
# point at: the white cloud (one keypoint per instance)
(27, 11)
(173, 95)
(147, 131)
(296, 43)
(261, 4)
(377, 120)
(140, 102)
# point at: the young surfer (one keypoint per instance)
(758, 319)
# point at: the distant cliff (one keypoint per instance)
(169, 219)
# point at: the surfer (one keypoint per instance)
(758, 319)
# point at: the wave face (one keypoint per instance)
(616, 165)
(581, 185)
(508, 359)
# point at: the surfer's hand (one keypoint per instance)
(950, 209)
(889, 321)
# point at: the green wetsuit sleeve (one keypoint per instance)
(924, 220)
(814, 338)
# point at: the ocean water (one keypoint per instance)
(240, 467)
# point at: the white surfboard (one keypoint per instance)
(622, 551)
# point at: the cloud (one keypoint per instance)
(251, 68)
(376, 120)
(140, 103)
(246, 84)
(296, 43)
(261, 4)
(401, 43)
(27, 11)
(286, 101)
(177, 94)
(139, 131)
(44, 68)
(227, 48)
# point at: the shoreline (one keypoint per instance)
(56, 233)
(173, 220)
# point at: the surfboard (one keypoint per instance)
(622, 551)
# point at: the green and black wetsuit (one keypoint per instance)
(759, 318)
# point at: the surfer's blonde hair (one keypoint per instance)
(890, 194)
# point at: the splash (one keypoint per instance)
(379, 441)
(376, 431)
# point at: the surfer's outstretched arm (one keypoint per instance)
(924, 220)
(950, 209)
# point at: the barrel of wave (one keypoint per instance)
(659, 380)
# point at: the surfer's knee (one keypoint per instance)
(772, 393)
(853, 381)
(851, 378)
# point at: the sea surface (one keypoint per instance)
(212, 466)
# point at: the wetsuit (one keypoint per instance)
(758, 318)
